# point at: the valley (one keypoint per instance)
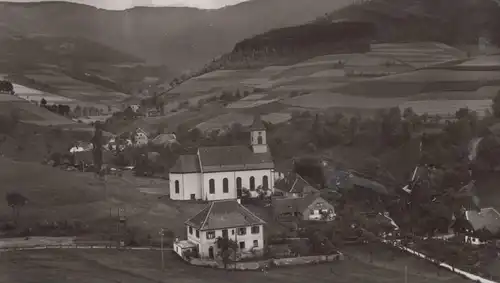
(373, 108)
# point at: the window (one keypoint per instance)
(242, 231)
(211, 185)
(197, 234)
(176, 186)
(255, 229)
(225, 185)
(265, 182)
(193, 196)
(210, 235)
(259, 140)
(191, 230)
(238, 183)
(242, 245)
(255, 243)
(232, 232)
(252, 183)
(224, 233)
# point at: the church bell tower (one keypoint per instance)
(258, 138)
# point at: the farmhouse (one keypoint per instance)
(225, 172)
(223, 219)
(312, 207)
(478, 225)
(293, 185)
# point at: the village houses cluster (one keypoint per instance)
(223, 175)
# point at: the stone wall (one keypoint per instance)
(264, 264)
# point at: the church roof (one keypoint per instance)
(224, 214)
(186, 164)
(257, 124)
(233, 158)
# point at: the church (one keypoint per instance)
(223, 172)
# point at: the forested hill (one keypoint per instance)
(349, 29)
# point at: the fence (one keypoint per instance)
(75, 246)
(441, 264)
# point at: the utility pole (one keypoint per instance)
(161, 249)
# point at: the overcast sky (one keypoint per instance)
(124, 4)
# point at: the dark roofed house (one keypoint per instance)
(229, 219)
(476, 226)
(487, 219)
(311, 207)
(293, 185)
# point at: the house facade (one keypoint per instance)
(225, 219)
(224, 172)
(308, 208)
(140, 137)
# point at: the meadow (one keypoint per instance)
(58, 195)
(104, 266)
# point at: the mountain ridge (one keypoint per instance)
(180, 37)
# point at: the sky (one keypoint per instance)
(125, 4)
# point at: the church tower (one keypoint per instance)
(258, 138)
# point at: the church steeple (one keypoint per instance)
(258, 138)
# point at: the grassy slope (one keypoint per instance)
(144, 267)
(57, 195)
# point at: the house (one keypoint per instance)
(293, 185)
(81, 146)
(140, 137)
(164, 140)
(224, 172)
(135, 107)
(225, 219)
(476, 225)
(312, 207)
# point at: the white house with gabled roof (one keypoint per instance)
(225, 219)
(224, 172)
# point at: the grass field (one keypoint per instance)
(324, 100)
(103, 266)
(57, 195)
(76, 89)
(29, 112)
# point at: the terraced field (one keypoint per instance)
(75, 89)
(390, 75)
(29, 112)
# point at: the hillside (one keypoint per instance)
(449, 21)
(181, 38)
(348, 29)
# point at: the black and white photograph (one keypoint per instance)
(270, 141)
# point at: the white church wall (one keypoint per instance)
(188, 184)
(232, 182)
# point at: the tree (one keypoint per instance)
(97, 142)
(43, 102)
(15, 201)
(6, 86)
(227, 247)
(496, 105)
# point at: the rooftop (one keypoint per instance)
(291, 205)
(224, 214)
(186, 164)
(233, 158)
(257, 124)
(487, 218)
